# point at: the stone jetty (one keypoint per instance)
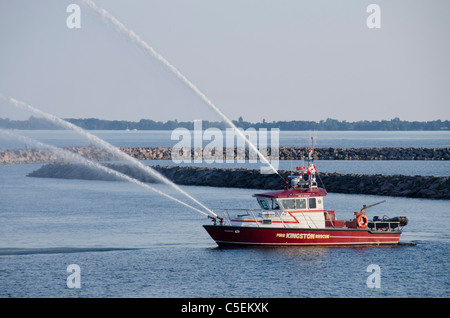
(327, 153)
(392, 185)
(15, 156)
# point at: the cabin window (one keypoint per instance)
(312, 203)
(291, 204)
(300, 203)
(288, 204)
(275, 205)
(268, 204)
(263, 204)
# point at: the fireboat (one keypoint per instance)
(295, 216)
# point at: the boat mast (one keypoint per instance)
(311, 169)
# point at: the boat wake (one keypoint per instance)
(58, 250)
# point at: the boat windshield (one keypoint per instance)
(268, 204)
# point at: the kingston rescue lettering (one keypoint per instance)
(302, 236)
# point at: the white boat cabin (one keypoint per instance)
(292, 208)
(300, 205)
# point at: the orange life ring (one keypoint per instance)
(364, 223)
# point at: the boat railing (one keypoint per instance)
(226, 217)
(256, 221)
(251, 212)
(329, 216)
(279, 216)
(385, 226)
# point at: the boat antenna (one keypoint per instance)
(310, 164)
(312, 143)
(311, 158)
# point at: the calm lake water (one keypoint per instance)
(131, 242)
(336, 139)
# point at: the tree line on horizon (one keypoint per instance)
(35, 123)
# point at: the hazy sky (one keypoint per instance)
(273, 60)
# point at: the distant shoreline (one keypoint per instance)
(34, 123)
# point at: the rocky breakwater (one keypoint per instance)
(285, 153)
(299, 153)
(32, 155)
(377, 153)
(392, 185)
(19, 156)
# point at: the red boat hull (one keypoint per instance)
(234, 235)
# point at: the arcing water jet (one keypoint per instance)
(70, 156)
(105, 145)
(135, 38)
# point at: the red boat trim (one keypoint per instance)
(235, 235)
(331, 229)
(278, 221)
